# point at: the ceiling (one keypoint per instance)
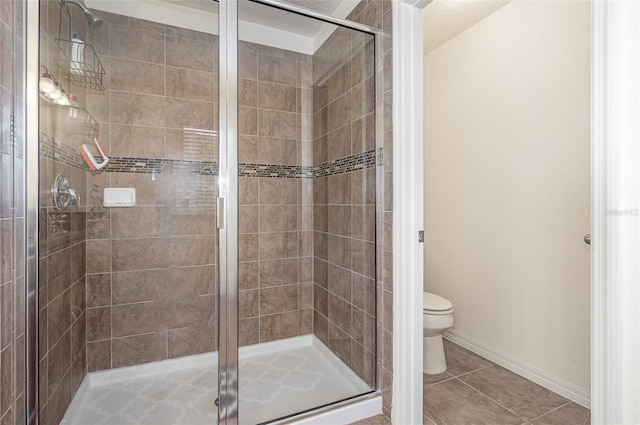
(258, 23)
(444, 19)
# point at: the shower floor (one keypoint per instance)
(276, 379)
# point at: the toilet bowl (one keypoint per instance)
(437, 317)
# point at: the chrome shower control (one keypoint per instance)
(63, 194)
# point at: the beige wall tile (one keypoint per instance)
(247, 93)
(138, 318)
(277, 96)
(278, 326)
(137, 141)
(278, 151)
(191, 84)
(248, 64)
(339, 188)
(277, 124)
(139, 349)
(138, 222)
(249, 331)
(278, 299)
(136, 77)
(339, 143)
(137, 254)
(278, 245)
(321, 300)
(248, 275)
(138, 109)
(276, 70)
(98, 256)
(193, 250)
(182, 113)
(278, 191)
(98, 355)
(340, 250)
(278, 218)
(340, 112)
(138, 286)
(249, 304)
(340, 282)
(248, 247)
(321, 272)
(98, 290)
(248, 149)
(186, 53)
(190, 341)
(146, 25)
(98, 323)
(135, 44)
(247, 121)
(339, 220)
(278, 272)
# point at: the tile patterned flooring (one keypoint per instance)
(277, 379)
(475, 391)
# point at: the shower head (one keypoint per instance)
(93, 20)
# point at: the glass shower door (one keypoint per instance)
(128, 297)
(306, 275)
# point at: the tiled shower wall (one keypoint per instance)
(275, 244)
(344, 199)
(12, 334)
(62, 243)
(378, 14)
(152, 269)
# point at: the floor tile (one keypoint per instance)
(461, 360)
(523, 397)
(427, 421)
(455, 403)
(434, 379)
(570, 414)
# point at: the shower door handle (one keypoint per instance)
(220, 211)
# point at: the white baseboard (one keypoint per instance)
(532, 373)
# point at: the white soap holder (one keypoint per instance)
(119, 197)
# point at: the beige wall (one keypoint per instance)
(507, 184)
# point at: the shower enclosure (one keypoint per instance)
(216, 261)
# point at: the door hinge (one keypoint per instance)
(420, 236)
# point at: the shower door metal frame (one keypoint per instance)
(227, 207)
(31, 178)
(227, 210)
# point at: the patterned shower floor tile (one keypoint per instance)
(276, 379)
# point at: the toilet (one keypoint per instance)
(437, 317)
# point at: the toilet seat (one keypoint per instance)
(435, 304)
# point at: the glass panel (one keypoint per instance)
(128, 295)
(307, 213)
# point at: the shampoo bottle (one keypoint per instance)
(77, 55)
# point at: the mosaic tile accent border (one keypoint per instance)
(119, 164)
(278, 171)
(62, 153)
(69, 156)
(344, 165)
